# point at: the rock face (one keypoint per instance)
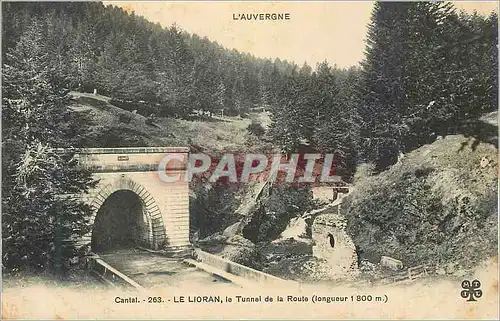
(342, 257)
(248, 203)
(240, 250)
(232, 230)
(235, 248)
(296, 228)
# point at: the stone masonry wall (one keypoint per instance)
(342, 258)
(135, 169)
(168, 203)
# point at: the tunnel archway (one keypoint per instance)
(122, 221)
(106, 188)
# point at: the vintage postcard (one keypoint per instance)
(249, 160)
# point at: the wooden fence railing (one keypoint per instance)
(409, 274)
(417, 272)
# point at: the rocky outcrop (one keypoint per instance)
(295, 229)
(232, 230)
(235, 248)
(246, 209)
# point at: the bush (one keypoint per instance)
(115, 137)
(250, 257)
(255, 128)
(363, 171)
(125, 118)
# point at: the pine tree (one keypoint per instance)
(40, 206)
(294, 117)
(427, 71)
(448, 73)
(219, 96)
(382, 86)
(427, 78)
(337, 122)
(82, 57)
(109, 65)
(176, 78)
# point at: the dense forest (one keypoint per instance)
(427, 70)
(163, 70)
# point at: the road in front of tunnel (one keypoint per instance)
(152, 270)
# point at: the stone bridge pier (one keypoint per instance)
(131, 204)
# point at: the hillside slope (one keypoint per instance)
(437, 205)
(115, 127)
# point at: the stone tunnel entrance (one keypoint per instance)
(121, 222)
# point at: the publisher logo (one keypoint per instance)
(471, 291)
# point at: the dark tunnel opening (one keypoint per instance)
(120, 223)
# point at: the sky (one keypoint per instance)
(317, 31)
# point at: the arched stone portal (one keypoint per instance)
(150, 211)
(133, 174)
(124, 220)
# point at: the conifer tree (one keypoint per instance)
(39, 185)
(382, 86)
(427, 71)
(337, 122)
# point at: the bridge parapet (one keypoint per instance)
(133, 150)
(243, 271)
(130, 159)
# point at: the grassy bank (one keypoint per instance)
(438, 205)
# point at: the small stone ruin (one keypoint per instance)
(342, 257)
